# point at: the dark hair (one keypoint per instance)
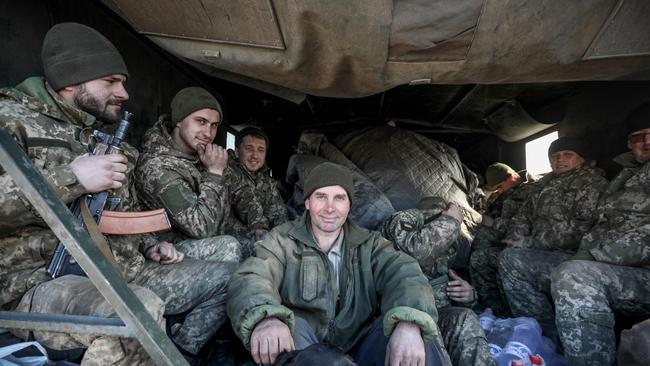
(251, 131)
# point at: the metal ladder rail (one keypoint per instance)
(103, 275)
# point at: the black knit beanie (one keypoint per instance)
(192, 99)
(569, 143)
(73, 53)
(639, 119)
(329, 174)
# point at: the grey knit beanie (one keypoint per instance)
(329, 174)
(192, 99)
(73, 53)
(639, 119)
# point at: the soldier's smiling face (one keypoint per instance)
(252, 152)
(101, 97)
(565, 160)
(639, 143)
(328, 208)
(198, 128)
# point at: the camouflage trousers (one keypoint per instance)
(463, 336)
(586, 296)
(484, 274)
(76, 295)
(526, 279)
(243, 234)
(223, 248)
(193, 287)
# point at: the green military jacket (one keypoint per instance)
(291, 276)
(265, 188)
(506, 205)
(622, 234)
(561, 210)
(428, 236)
(198, 202)
(52, 133)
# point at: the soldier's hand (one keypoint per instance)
(213, 157)
(514, 241)
(405, 346)
(164, 253)
(487, 220)
(260, 234)
(454, 211)
(98, 173)
(458, 289)
(270, 338)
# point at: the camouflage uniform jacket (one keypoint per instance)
(561, 209)
(622, 234)
(291, 275)
(428, 236)
(50, 131)
(265, 188)
(506, 205)
(197, 202)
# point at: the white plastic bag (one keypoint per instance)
(7, 358)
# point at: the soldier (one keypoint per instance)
(547, 231)
(610, 274)
(511, 191)
(248, 162)
(50, 118)
(428, 233)
(181, 170)
(322, 278)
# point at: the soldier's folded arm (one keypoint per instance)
(196, 215)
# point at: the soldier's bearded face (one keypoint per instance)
(102, 98)
(328, 209)
(639, 143)
(565, 160)
(198, 128)
(252, 152)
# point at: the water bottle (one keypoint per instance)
(487, 320)
(549, 355)
(525, 341)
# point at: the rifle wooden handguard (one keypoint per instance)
(129, 223)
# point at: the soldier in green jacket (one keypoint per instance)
(322, 278)
(547, 231)
(51, 118)
(610, 273)
(428, 233)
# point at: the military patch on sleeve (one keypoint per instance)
(176, 199)
(405, 225)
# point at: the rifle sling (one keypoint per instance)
(96, 235)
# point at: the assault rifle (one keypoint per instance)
(62, 263)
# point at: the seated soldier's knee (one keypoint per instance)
(570, 276)
(232, 249)
(154, 304)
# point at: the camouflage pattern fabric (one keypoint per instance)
(429, 236)
(561, 210)
(198, 288)
(70, 295)
(197, 202)
(526, 279)
(265, 188)
(586, 295)
(486, 282)
(223, 248)
(506, 205)
(463, 336)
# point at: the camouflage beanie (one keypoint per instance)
(192, 99)
(73, 53)
(569, 143)
(497, 173)
(254, 131)
(329, 174)
(639, 119)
